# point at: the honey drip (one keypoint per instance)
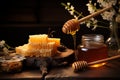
(73, 33)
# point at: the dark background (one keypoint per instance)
(21, 18)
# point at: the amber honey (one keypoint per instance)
(90, 54)
(92, 48)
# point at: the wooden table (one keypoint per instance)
(110, 71)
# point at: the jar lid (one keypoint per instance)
(93, 37)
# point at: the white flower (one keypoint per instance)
(106, 3)
(71, 12)
(72, 7)
(108, 15)
(99, 1)
(91, 8)
(2, 43)
(68, 3)
(88, 25)
(66, 7)
(95, 26)
(118, 18)
(95, 21)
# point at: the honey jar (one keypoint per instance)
(92, 48)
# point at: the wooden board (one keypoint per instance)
(64, 54)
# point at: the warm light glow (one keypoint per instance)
(98, 65)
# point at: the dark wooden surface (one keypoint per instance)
(110, 71)
(27, 74)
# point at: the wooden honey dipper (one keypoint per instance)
(72, 25)
(79, 65)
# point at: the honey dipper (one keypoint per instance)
(72, 25)
(79, 65)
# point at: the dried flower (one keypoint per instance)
(2, 43)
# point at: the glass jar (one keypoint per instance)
(92, 48)
(113, 42)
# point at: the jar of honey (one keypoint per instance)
(92, 48)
